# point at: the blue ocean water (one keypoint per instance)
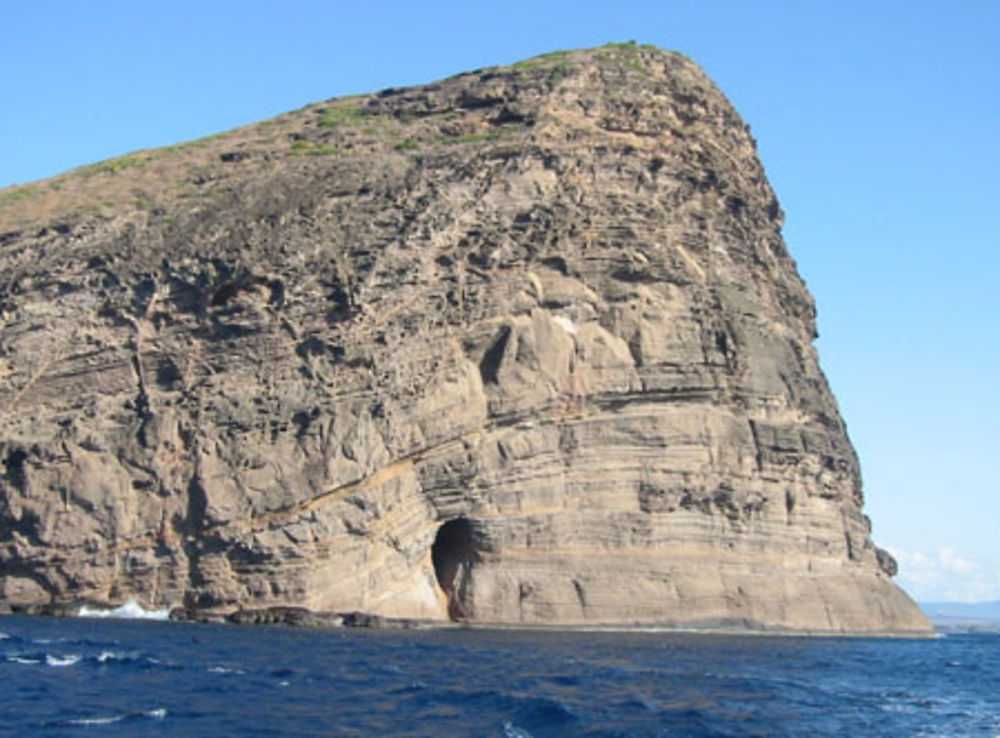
(119, 678)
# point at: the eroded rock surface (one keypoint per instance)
(521, 346)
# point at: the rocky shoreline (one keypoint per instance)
(298, 617)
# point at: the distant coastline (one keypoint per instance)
(963, 617)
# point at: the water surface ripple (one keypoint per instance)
(120, 678)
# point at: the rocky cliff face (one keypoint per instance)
(521, 346)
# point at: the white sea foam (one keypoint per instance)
(105, 656)
(4, 636)
(131, 610)
(61, 660)
(512, 731)
(23, 660)
(97, 720)
(158, 714)
(224, 670)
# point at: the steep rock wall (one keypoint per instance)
(522, 346)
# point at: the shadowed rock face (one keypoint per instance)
(521, 346)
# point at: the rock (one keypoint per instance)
(886, 561)
(293, 616)
(524, 346)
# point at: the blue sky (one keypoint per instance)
(878, 125)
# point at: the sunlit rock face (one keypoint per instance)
(521, 346)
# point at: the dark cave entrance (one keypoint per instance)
(453, 554)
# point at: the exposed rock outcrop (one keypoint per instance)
(521, 346)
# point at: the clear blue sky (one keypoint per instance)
(878, 124)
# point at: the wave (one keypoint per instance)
(159, 713)
(61, 660)
(105, 656)
(96, 720)
(23, 660)
(131, 610)
(117, 657)
(512, 731)
(224, 670)
(107, 659)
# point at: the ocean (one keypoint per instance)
(83, 677)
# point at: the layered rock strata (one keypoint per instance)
(523, 346)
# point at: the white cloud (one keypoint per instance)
(949, 560)
(945, 575)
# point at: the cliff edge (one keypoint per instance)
(521, 346)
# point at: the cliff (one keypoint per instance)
(521, 346)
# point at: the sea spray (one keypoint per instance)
(131, 610)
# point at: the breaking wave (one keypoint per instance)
(96, 720)
(61, 660)
(159, 713)
(23, 660)
(131, 610)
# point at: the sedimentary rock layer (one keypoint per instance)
(521, 346)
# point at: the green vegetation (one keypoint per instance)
(628, 56)
(559, 61)
(543, 61)
(341, 115)
(472, 137)
(322, 151)
(188, 145)
(635, 65)
(407, 144)
(310, 148)
(18, 194)
(114, 166)
(558, 73)
(630, 45)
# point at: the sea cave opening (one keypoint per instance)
(453, 553)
